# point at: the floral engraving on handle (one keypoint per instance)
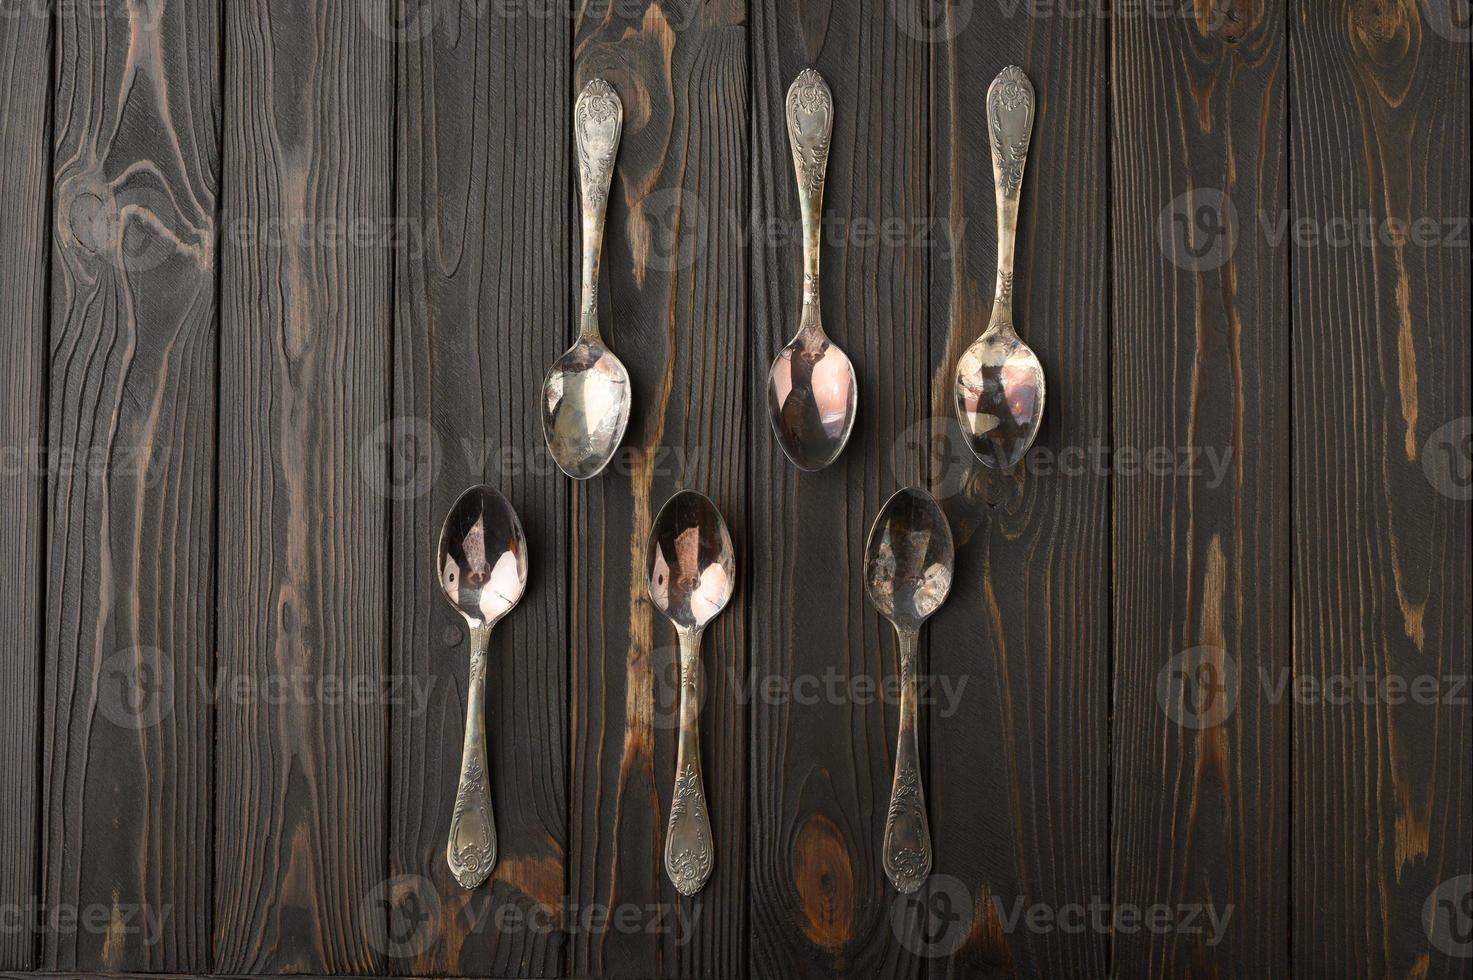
(472, 858)
(1010, 119)
(597, 120)
(810, 113)
(907, 866)
(688, 863)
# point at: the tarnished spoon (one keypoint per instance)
(482, 567)
(908, 562)
(692, 576)
(811, 389)
(585, 399)
(999, 380)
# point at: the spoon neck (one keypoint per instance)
(907, 638)
(810, 322)
(690, 643)
(480, 638)
(588, 322)
(592, 249)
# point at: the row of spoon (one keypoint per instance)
(812, 390)
(482, 570)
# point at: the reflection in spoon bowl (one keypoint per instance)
(585, 408)
(692, 563)
(999, 397)
(909, 558)
(482, 556)
(811, 393)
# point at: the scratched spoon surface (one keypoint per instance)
(812, 391)
(692, 575)
(999, 391)
(482, 569)
(586, 396)
(908, 563)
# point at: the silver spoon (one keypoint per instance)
(482, 568)
(999, 380)
(585, 399)
(907, 569)
(811, 388)
(692, 577)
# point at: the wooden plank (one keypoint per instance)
(131, 493)
(1202, 561)
(482, 311)
(305, 336)
(1019, 722)
(25, 176)
(1382, 789)
(673, 296)
(821, 772)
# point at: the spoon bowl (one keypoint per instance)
(692, 575)
(908, 563)
(811, 396)
(585, 408)
(692, 565)
(908, 559)
(999, 397)
(483, 557)
(481, 565)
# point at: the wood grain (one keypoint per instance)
(821, 772)
(25, 176)
(673, 300)
(1383, 789)
(484, 196)
(1201, 777)
(1019, 749)
(131, 492)
(305, 335)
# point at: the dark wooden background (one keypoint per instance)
(280, 278)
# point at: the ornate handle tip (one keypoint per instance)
(597, 88)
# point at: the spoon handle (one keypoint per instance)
(810, 115)
(688, 857)
(1010, 125)
(907, 836)
(598, 120)
(471, 852)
